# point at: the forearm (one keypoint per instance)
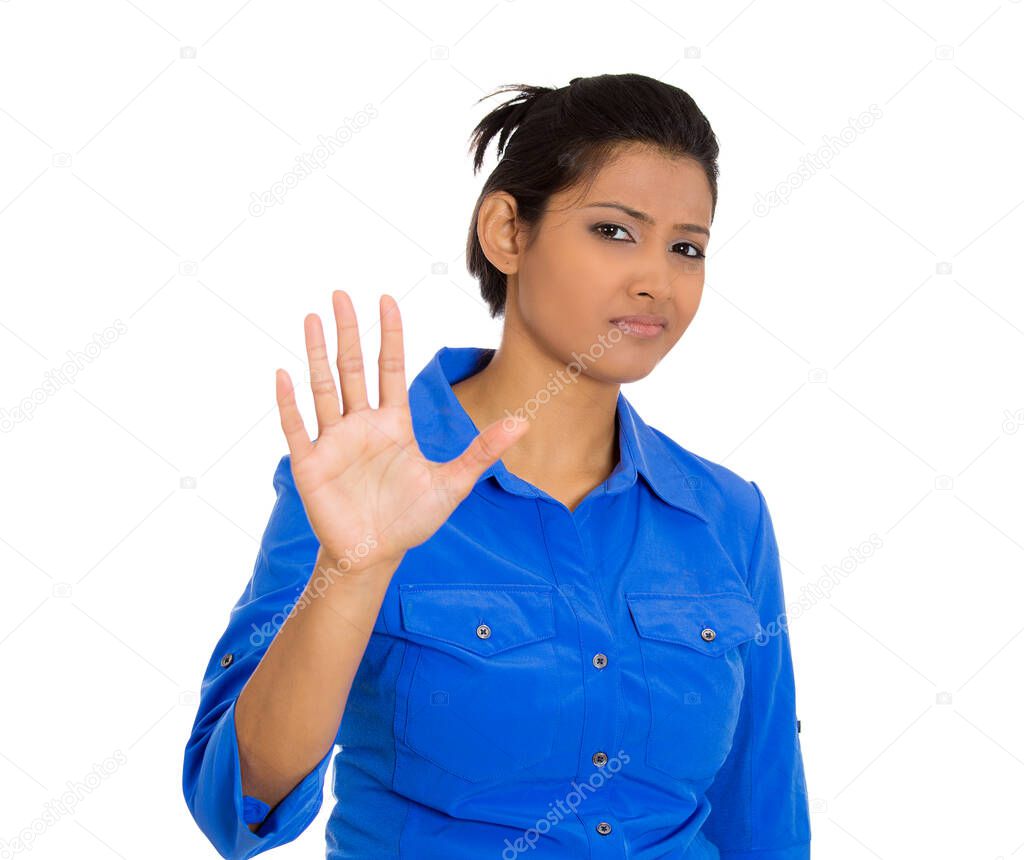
(289, 711)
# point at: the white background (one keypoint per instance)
(858, 353)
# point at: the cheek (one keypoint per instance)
(687, 301)
(690, 288)
(566, 287)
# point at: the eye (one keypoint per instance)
(698, 253)
(598, 228)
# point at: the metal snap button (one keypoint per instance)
(227, 660)
(483, 631)
(600, 661)
(707, 634)
(604, 828)
(599, 758)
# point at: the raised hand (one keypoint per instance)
(364, 481)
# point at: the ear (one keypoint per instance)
(501, 235)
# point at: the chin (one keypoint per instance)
(620, 368)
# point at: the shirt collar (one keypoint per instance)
(444, 430)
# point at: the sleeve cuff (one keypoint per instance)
(254, 809)
(227, 824)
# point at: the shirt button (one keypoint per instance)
(604, 828)
(483, 631)
(227, 660)
(707, 634)
(599, 758)
(600, 660)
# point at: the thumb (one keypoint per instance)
(489, 445)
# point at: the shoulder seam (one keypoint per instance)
(757, 530)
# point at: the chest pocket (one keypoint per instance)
(481, 698)
(693, 667)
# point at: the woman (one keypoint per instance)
(562, 636)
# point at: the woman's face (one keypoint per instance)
(590, 263)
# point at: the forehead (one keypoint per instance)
(670, 188)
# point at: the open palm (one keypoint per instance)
(363, 481)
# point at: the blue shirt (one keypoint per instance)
(610, 682)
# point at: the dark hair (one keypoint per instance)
(550, 138)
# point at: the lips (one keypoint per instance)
(643, 319)
(641, 325)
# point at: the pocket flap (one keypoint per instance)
(708, 623)
(484, 618)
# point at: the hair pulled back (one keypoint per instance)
(550, 139)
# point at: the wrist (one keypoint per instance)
(330, 567)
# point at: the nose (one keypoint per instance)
(656, 284)
(662, 276)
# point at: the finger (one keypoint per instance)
(392, 385)
(321, 380)
(489, 445)
(295, 433)
(350, 355)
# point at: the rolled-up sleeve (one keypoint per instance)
(759, 808)
(211, 776)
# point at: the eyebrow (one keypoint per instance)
(647, 219)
